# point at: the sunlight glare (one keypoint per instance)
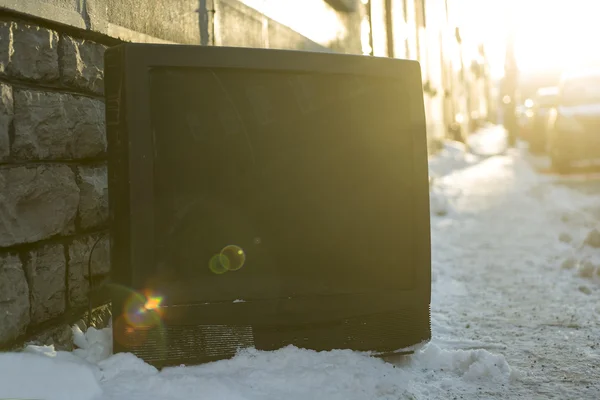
(548, 34)
(554, 34)
(325, 25)
(152, 303)
(365, 31)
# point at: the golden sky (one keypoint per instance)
(549, 33)
(555, 33)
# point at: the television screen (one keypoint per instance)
(264, 198)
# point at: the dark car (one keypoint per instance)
(574, 123)
(545, 99)
(524, 117)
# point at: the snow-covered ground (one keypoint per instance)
(452, 156)
(515, 313)
(499, 260)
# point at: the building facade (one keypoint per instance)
(455, 70)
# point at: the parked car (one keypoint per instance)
(545, 99)
(574, 122)
(524, 116)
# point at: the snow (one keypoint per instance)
(471, 365)
(451, 157)
(94, 345)
(515, 311)
(290, 373)
(46, 376)
(489, 141)
(497, 262)
(441, 196)
(583, 259)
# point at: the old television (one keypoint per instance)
(265, 198)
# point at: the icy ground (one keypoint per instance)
(515, 313)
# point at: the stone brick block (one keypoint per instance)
(57, 126)
(93, 201)
(6, 117)
(79, 252)
(5, 45)
(46, 271)
(14, 299)
(37, 203)
(82, 64)
(60, 337)
(33, 53)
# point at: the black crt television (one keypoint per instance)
(264, 198)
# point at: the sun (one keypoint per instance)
(554, 34)
(549, 34)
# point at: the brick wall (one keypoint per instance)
(53, 184)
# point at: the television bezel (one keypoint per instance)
(131, 157)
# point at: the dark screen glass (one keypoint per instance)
(310, 175)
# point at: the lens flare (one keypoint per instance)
(152, 303)
(218, 264)
(140, 320)
(142, 311)
(231, 258)
(235, 257)
(128, 336)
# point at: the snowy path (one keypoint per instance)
(499, 279)
(515, 314)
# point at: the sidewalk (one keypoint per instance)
(455, 156)
(487, 142)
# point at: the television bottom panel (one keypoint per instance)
(188, 344)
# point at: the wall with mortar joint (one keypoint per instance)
(53, 185)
